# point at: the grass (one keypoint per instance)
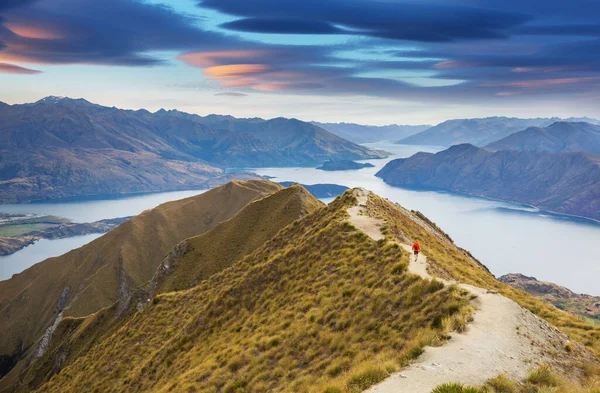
(318, 308)
(449, 262)
(131, 251)
(22, 229)
(539, 380)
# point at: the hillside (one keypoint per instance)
(320, 307)
(359, 133)
(478, 132)
(187, 264)
(59, 147)
(111, 267)
(584, 306)
(199, 257)
(556, 138)
(566, 183)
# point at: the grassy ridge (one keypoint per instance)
(96, 275)
(450, 262)
(204, 256)
(320, 307)
(217, 249)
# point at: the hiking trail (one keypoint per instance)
(502, 338)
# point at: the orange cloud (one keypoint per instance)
(6, 68)
(34, 32)
(211, 59)
(550, 82)
(453, 64)
(540, 69)
(235, 70)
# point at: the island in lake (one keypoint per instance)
(343, 165)
(18, 231)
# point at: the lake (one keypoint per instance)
(506, 237)
(80, 210)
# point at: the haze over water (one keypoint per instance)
(506, 237)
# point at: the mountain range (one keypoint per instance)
(479, 132)
(566, 183)
(60, 147)
(556, 138)
(359, 133)
(274, 291)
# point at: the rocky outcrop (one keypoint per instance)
(585, 306)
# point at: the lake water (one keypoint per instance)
(505, 237)
(78, 211)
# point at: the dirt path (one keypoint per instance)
(503, 337)
(359, 218)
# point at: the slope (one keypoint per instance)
(111, 267)
(189, 263)
(564, 183)
(321, 307)
(318, 303)
(197, 258)
(557, 138)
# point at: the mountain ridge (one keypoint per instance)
(556, 138)
(567, 183)
(62, 147)
(478, 131)
(363, 133)
(109, 268)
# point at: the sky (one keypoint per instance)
(364, 61)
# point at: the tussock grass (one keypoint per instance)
(450, 262)
(540, 380)
(318, 308)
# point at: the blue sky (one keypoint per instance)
(367, 61)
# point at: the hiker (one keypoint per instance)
(416, 248)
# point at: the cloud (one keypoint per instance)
(282, 26)
(231, 94)
(381, 19)
(14, 69)
(108, 32)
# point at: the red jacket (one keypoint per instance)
(416, 247)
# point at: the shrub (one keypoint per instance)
(542, 376)
(366, 379)
(455, 388)
(501, 384)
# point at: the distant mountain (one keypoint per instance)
(478, 132)
(60, 147)
(565, 183)
(359, 133)
(556, 138)
(111, 267)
